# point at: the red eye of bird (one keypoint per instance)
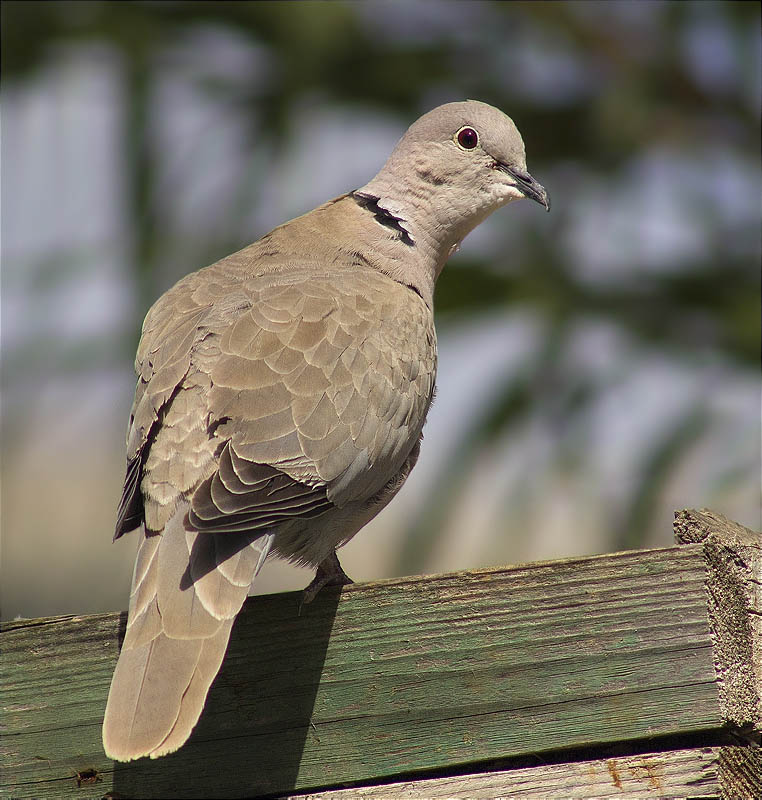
(468, 138)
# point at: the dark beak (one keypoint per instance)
(529, 187)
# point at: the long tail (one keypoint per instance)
(186, 591)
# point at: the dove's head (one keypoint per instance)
(453, 167)
(473, 149)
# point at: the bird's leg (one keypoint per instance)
(328, 573)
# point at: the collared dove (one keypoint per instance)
(279, 406)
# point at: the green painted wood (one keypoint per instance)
(384, 679)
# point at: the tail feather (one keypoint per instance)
(192, 703)
(177, 635)
(146, 695)
(183, 613)
(143, 592)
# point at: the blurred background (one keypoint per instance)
(599, 365)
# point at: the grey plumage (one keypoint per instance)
(280, 401)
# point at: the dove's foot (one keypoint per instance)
(329, 573)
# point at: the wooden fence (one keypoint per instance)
(629, 675)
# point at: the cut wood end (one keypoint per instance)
(733, 556)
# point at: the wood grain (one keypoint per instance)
(386, 679)
(680, 773)
(733, 554)
(733, 557)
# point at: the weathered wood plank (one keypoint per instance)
(680, 773)
(386, 679)
(733, 555)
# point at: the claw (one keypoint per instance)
(328, 573)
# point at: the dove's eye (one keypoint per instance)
(468, 138)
